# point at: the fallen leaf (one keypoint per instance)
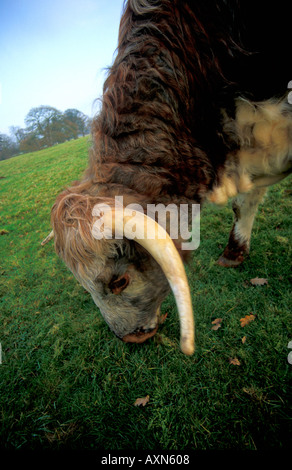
(246, 320)
(142, 401)
(162, 318)
(234, 361)
(217, 324)
(243, 340)
(258, 281)
(4, 232)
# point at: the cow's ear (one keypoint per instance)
(117, 285)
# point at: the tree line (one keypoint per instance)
(45, 126)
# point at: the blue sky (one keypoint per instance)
(53, 52)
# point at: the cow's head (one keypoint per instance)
(127, 262)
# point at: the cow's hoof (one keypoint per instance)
(230, 263)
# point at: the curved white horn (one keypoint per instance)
(158, 243)
(48, 238)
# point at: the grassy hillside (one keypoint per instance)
(68, 382)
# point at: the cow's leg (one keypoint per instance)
(244, 208)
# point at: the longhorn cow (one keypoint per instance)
(194, 109)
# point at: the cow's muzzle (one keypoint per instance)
(140, 335)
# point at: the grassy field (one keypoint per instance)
(66, 382)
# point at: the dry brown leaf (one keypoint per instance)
(162, 318)
(142, 401)
(243, 340)
(258, 281)
(246, 320)
(234, 361)
(216, 324)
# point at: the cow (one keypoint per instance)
(195, 109)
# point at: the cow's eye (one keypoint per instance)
(117, 285)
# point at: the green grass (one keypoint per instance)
(66, 382)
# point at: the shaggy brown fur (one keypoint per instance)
(158, 103)
(156, 134)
